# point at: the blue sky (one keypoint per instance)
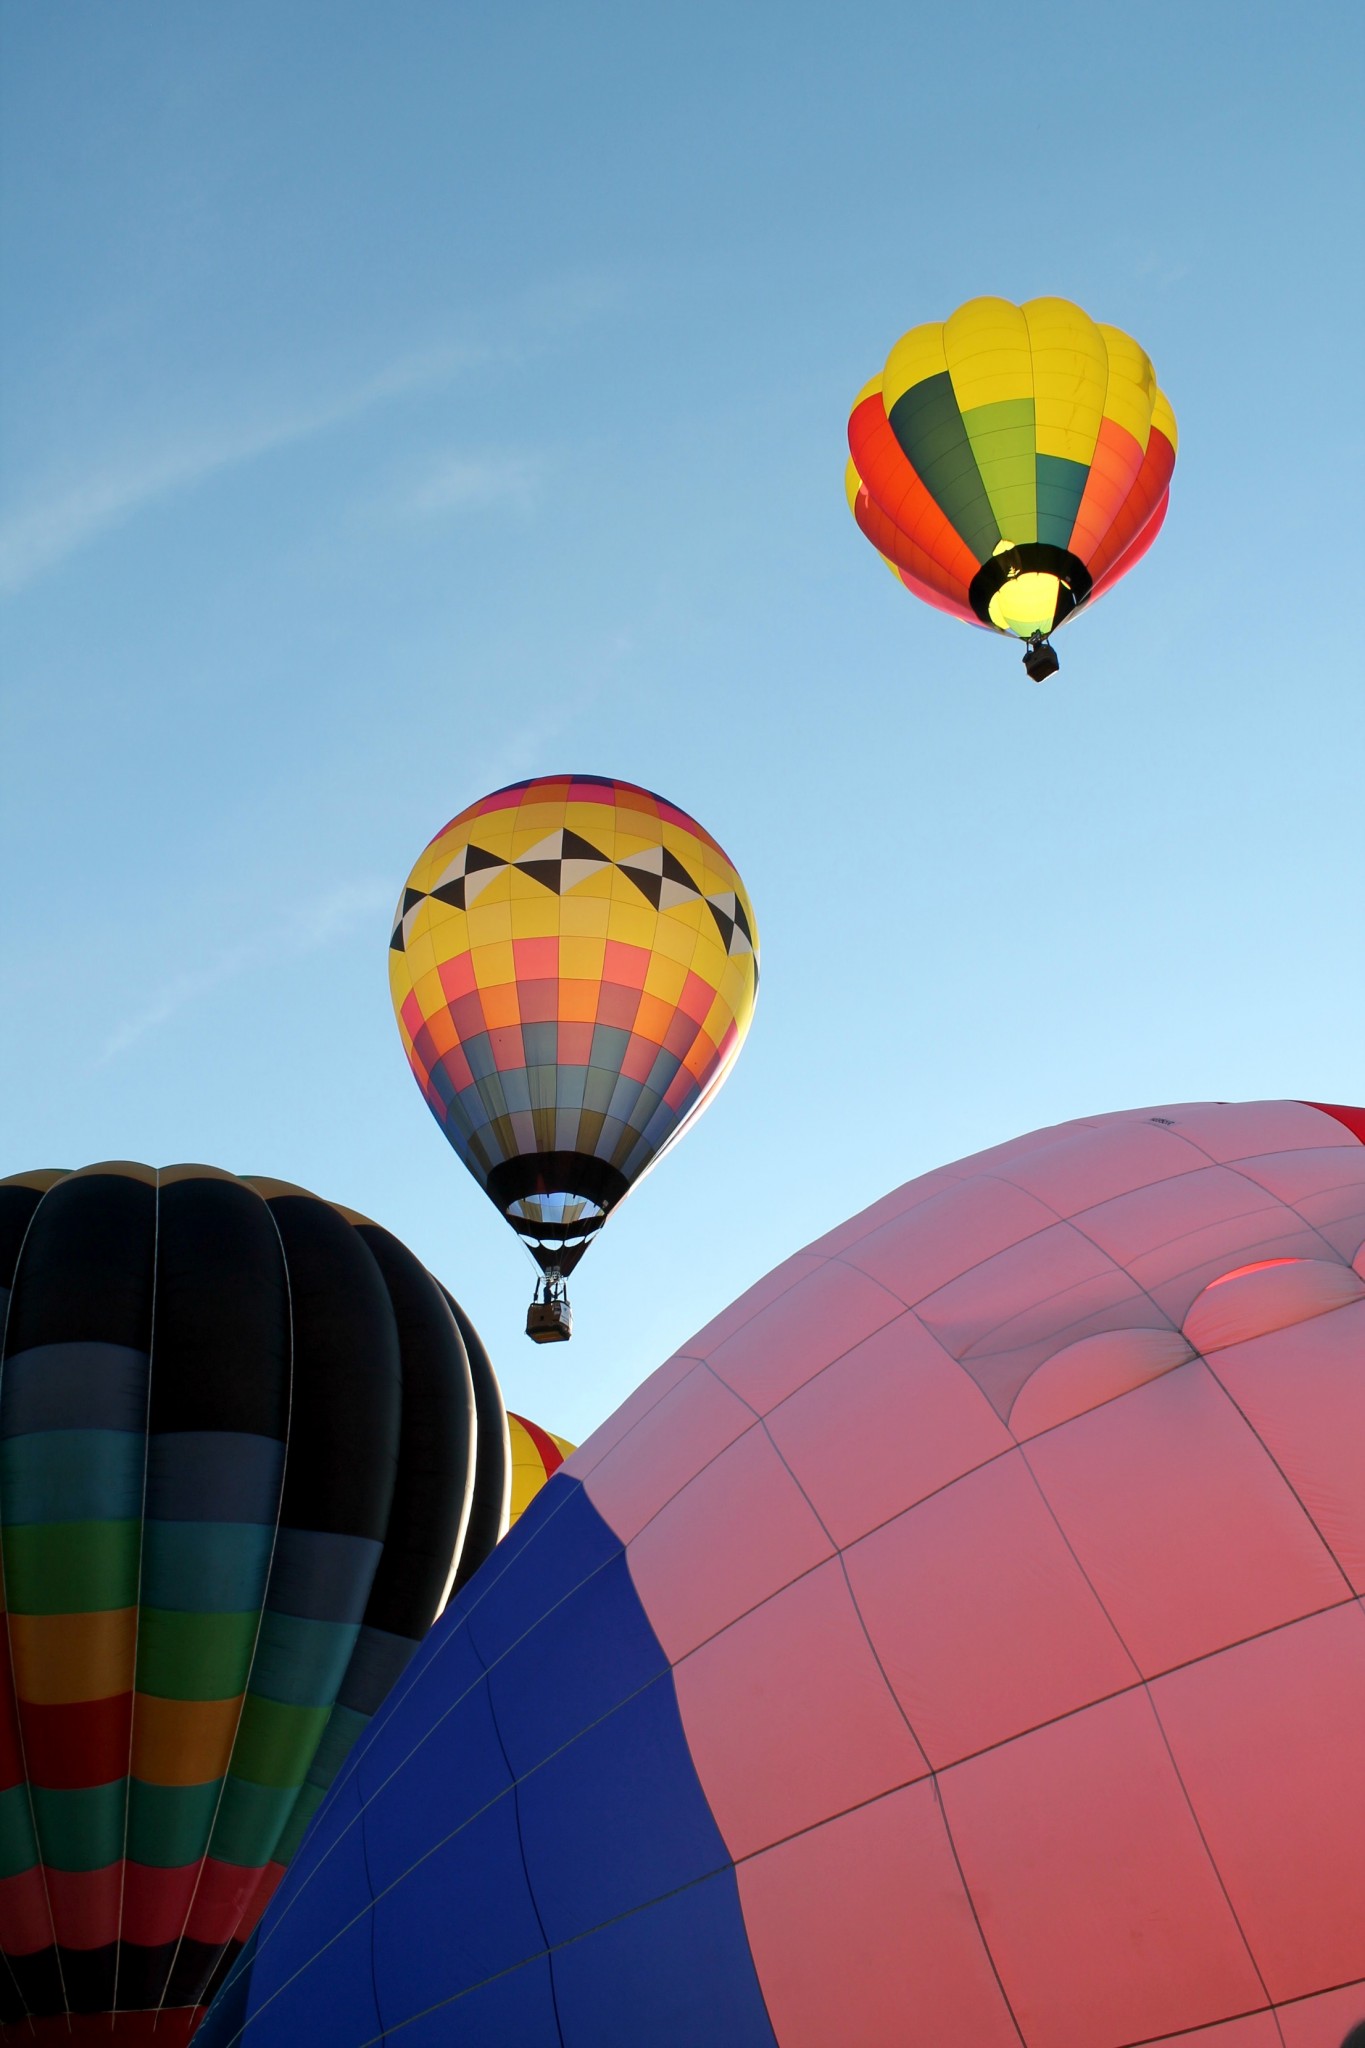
(399, 401)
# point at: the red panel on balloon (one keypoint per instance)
(1121, 1929)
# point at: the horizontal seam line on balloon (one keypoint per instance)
(939, 1771)
(1137, 1683)
(556, 1948)
(507, 1791)
(1251, 2013)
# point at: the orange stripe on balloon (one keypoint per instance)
(909, 562)
(892, 482)
(1136, 549)
(69, 1657)
(939, 602)
(1138, 508)
(183, 1742)
(1114, 469)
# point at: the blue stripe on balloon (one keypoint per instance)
(213, 1475)
(301, 1663)
(63, 1386)
(435, 1916)
(72, 1475)
(323, 1574)
(205, 1567)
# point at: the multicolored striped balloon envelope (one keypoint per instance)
(247, 1446)
(573, 965)
(1011, 463)
(957, 1644)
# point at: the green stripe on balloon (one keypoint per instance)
(170, 1825)
(194, 1656)
(339, 1738)
(250, 1822)
(72, 1475)
(927, 422)
(1003, 439)
(1061, 486)
(18, 1848)
(275, 1742)
(305, 1806)
(81, 1830)
(71, 1567)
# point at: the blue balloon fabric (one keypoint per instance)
(434, 1893)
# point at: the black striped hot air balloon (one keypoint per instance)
(248, 1445)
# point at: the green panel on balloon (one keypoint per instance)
(169, 1825)
(81, 1830)
(1061, 486)
(1002, 438)
(337, 1742)
(18, 1848)
(306, 1805)
(276, 1743)
(251, 1819)
(194, 1656)
(71, 1567)
(928, 424)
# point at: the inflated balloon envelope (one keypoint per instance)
(1011, 463)
(247, 1446)
(574, 965)
(959, 1641)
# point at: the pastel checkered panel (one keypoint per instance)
(573, 964)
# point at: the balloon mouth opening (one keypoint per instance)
(1028, 588)
(557, 1202)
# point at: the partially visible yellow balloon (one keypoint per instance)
(535, 1456)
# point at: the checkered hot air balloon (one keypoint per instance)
(1011, 463)
(573, 965)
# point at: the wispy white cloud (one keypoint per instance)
(53, 523)
(62, 514)
(307, 927)
(459, 482)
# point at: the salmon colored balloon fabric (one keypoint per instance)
(959, 1641)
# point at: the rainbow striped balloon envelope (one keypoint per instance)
(1011, 462)
(573, 965)
(957, 1644)
(247, 1445)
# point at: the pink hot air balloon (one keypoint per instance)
(959, 1642)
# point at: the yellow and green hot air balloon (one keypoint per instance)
(1011, 463)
